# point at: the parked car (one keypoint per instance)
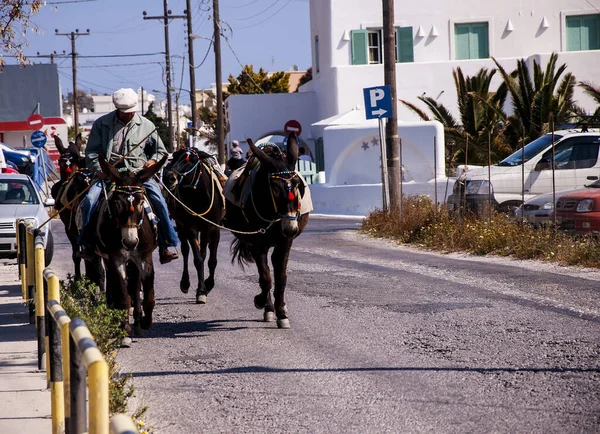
(576, 160)
(578, 212)
(19, 198)
(539, 210)
(22, 159)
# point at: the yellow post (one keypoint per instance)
(30, 259)
(40, 311)
(122, 424)
(97, 372)
(57, 385)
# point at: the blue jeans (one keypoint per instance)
(166, 233)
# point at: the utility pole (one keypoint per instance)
(52, 55)
(178, 135)
(393, 145)
(166, 17)
(72, 36)
(188, 13)
(217, 45)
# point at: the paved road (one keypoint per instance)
(383, 339)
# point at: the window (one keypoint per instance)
(375, 46)
(583, 32)
(471, 41)
(367, 46)
(317, 65)
(576, 153)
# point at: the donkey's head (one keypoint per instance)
(284, 184)
(127, 204)
(69, 160)
(184, 170)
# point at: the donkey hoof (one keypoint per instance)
(185, 287)
(126, 342)
(259, 302)
(283, 323)
(201, 299)
(146, 323)
(269, 316)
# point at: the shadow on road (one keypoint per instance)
(269, 370)
(192, 328)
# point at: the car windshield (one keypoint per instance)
(530, 150)
(17, 191)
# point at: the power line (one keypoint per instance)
(258, 14)
(124, 55)
(268, 18)
(238, 59)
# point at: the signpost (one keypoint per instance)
(378, 105)
(39, 139)
(35, 121)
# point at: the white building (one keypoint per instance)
(433, 37)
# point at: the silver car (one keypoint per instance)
(539, 210)
(19, 198)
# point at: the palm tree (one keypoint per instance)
(535, 97)
(594, 91)
(481, 118)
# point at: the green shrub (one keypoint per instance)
(82, 299)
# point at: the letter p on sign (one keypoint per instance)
(376, 95)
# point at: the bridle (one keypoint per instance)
(196, 171)
(130, 191)
(286, 176)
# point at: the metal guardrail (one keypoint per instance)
(66, 348)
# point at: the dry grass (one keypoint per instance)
(494, 235)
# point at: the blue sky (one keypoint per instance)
(274, 34)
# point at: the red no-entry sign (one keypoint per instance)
(35, 121)
(292, 125)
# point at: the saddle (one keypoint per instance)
(238, 186)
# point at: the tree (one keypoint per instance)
(305, 78)
(594, 91)
(83, 100)
(480, 118)
(159, 123)
(535, 97)
(15, 21)
(250, 82)
(247, 83)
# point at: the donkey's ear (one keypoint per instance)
(79, 142)
(108, 169)
(292, 150)
(59, 144)
(148, 172)
(259, 153)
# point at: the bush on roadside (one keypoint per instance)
(82, 299)
(495, 234)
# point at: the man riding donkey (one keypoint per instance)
(115, 135)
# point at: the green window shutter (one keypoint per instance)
(573, 33)
(404, 46)
(478, 41)
(359, 47)
(461, 42)
(589, 32)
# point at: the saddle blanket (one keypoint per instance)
(306, 204)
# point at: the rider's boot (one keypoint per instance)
(165, 255)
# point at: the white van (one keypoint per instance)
(528, 172)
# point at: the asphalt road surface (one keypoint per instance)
(384, 339)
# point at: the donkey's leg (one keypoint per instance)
(279, 259)
(116, 288)
(134, 287)
(214, 236)
(263, 300)
(184, 236)
(199, 252)
(148, 285)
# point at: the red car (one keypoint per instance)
(579, 212)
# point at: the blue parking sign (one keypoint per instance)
(38, 139)
(378, 102)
